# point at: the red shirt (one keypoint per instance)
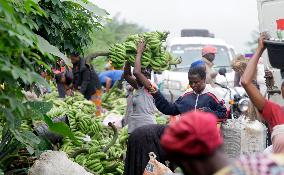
(273, 114)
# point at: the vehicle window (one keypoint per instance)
(232, 53)
(191, 53)
(181, 69)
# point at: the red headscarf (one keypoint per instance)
(209, 49)
(195, 134)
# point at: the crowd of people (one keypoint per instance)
(83, 78)
(194, 143)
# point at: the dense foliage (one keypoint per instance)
(67, 25)
(24, 53)
(115, 31)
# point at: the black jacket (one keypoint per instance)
(86, 78)
(191, 101)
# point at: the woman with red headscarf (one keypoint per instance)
(194, 143)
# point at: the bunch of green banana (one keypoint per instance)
(94, 159)
(117, 55)
(115, 102)
(154, 55)
(171, 59)
(89, 125)
(123, 136)
(161, 118)
(26, 125)
(71, 106)
(56, 112)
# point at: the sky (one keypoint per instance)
(231, 20)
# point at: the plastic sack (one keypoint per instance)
(56, 163)
(243, 136)
(155, 168)
(116, 119)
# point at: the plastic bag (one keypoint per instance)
(116, 119)
(154, 167)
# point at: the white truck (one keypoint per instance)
(175, 82)
(268, 12)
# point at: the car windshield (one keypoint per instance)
(181, 69)
(191, 53)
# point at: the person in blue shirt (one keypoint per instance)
(108, 78)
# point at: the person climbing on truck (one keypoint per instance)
(272, 113)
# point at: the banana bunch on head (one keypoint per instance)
(154, 56)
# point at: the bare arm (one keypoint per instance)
(127, 75)
(256, 97)
(137, 68)
(108, 83)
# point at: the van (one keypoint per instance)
(174, 83)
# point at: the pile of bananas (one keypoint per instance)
(101, 153)
(115, 101)
(98, 148)
(91, 154)
(71, 105)
(154, 56)
(161, 118)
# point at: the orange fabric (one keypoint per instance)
(97, 100)
(62, 69)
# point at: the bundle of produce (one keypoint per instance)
(161, 118)
(115, 100)
(101, 153)
(70, 105)
(239, 64)
(98, 148)
(154, 56)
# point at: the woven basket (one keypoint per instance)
(239, 64)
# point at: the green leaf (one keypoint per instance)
(39, 106)
(29, 139)
(16, 72)
(37, 109)
(11, 101)
(1, 172)
(36, 78)
(30, 149)
(46, 47)
(44, 144)
(90, 7)
(9, 117)
(59, 128)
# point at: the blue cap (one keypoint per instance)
(198, 63)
